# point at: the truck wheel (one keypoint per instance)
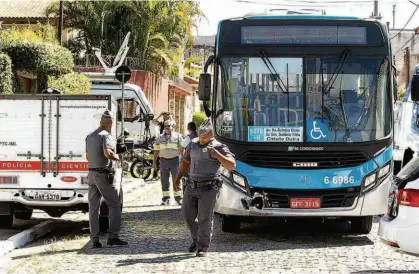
(6, 221)
(230, 224)
(103, 223)
(24, 215)
(361, 225)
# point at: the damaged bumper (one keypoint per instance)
(234, 201)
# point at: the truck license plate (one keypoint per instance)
(46, 195)
(305, 203)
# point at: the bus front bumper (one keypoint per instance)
(234, 202)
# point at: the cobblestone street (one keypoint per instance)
(158, 240)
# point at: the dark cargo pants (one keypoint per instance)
(168, 167)
(99, 187)
(200, 203)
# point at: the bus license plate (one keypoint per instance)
(46, 195)
(305, 202)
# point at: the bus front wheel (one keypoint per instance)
(361, 225)
(230, 223)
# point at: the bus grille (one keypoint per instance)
(280, 198)
(286, 160)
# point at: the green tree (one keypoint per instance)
(6, 74)
(71, 83)
(160, 30)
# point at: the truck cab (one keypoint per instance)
(135, 99)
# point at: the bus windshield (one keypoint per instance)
(316, 99)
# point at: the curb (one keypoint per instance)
(25, 237)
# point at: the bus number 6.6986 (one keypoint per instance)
(338, 180)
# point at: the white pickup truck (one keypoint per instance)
(42, 154)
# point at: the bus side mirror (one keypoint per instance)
(414, 88)
(204, 90)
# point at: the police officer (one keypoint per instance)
(192, 135)
(167, 147)
(204, 156)
(100, 152)
(185, 142)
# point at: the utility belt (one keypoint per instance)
(207, 185)
(110, 172)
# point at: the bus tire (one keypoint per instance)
(230, 224)
(362, 225)
(6, 221)
(24, 215)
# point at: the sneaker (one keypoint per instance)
(116, 241)
(165, 202)
(96, 245)
(192, 248)
(201, 253)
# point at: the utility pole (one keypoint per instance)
(394, 16)
(375, 8)
(60, 24)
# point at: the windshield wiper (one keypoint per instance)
(335, 74)
(264, 56)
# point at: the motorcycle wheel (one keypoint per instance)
(140, 169)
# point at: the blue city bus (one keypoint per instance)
(305, 103)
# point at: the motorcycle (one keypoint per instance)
(142, 165)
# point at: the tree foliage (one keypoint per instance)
(198, 118)
(160, 30)
(71, 83)
(41, 59)
(35, 50)
(40, 33)
(6, 75)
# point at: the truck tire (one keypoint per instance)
(230, 224)
(24, 215)
(6, 221)
(361, 225)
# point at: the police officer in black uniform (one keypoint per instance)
(204, 156)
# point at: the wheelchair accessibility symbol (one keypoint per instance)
(317, 130)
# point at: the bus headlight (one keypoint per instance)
(370, 180)
(373, 179)
(384, 171)
(239, 179)
(236, 179)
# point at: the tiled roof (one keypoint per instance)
(24, 8)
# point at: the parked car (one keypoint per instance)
(400, 227)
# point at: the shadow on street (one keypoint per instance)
(163, 231)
